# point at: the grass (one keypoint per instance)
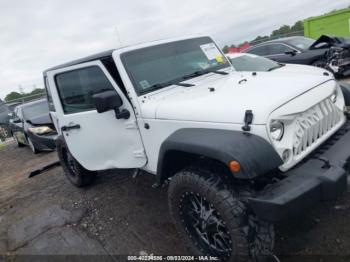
(2, 146)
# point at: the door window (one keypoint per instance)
(278, 49)
(260, 50)
(77, 87)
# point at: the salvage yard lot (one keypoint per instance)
(124, 215)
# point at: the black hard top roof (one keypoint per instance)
(98, 56)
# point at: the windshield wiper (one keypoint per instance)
(186, 77)
(275, 67)
(218, 72)
(194, 74)
(168, 83)
(203, 72)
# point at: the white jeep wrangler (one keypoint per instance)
(239, 151)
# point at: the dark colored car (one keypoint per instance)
(292, 50)
(4, 113)
(31, 125)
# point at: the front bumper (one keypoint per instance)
(43, 142)
(320, 178)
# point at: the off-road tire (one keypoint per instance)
(251, 238)
(75, 172)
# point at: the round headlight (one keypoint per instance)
(276, 130)
(334, 96)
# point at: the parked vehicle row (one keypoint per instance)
(31, 125)
(332, 53)
(240, 150)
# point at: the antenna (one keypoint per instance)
(119, 41)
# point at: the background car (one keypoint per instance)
(292, 50)
(244, 62)
(31, 125)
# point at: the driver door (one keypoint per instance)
(98, 141)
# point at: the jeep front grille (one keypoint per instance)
(315, 123)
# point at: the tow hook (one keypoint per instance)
(248, 119)
(326, 162)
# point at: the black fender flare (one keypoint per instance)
(345, 88)
(255, 155)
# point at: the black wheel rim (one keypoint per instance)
(205, 226)
(71, 163)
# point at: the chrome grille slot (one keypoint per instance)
(313, 124)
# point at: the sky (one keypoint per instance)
(38, 34)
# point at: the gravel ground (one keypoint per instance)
(124, 215)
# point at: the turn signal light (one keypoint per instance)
(234, 166)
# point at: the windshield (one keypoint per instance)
(35, 110)
(301, 42)
(166, 64)
(253, 63)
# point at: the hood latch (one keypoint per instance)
(248, 119)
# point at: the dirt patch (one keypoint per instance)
(122, 215)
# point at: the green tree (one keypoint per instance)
(225, 49)
(298, 26)
(285, 29)
(37, 91)
(12, 96)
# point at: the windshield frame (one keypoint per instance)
(139, 92)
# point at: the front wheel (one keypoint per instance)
(213, 221)
(75, 172)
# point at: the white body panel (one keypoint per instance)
(288, 91)
(102, 142)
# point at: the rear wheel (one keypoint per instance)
(76, 173)
(214, 221)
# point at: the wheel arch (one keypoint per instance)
(185, 146)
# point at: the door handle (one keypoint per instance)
(67, 128)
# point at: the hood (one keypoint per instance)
(233, 95)
(326, 41)
(40, 120)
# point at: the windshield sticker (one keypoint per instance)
(144, 84)
(210, 51)
(219, 59)
(203, 65)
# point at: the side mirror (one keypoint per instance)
(110, 100)
(291, 52)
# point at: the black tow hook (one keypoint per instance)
(248, 119)
(326, 162)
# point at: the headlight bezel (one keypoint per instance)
(40, 130)
(276, 129)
